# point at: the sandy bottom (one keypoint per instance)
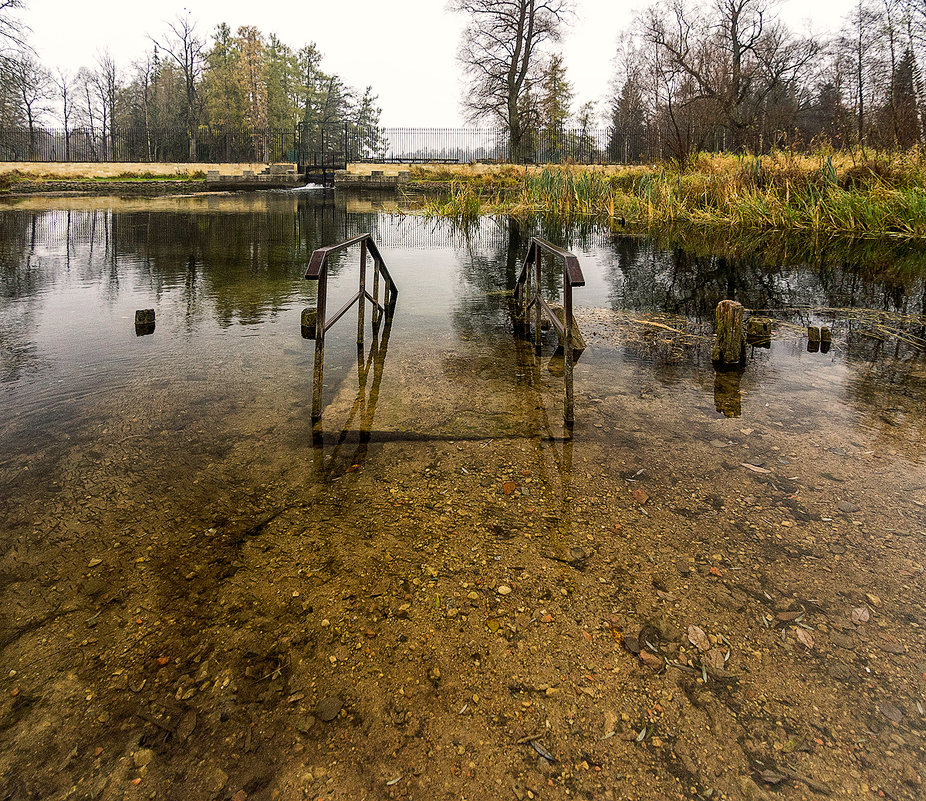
(200, 601)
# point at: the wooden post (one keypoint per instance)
(730, 345)
(759, 332)
(813, 339)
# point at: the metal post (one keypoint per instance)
(319, 369)
(362, 301)
(537, 259)
(377, 313)
(568, 407)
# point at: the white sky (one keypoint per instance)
(405, 49)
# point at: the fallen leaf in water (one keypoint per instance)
(698, 638)
(804, 637)
(542, 751)
(860, 615)
(714, 660)
(755, 468)
(772, 777)
(890, 711)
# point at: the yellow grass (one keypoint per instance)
(72, 170)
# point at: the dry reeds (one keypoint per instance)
(863, 195)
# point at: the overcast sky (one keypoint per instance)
(405, 49)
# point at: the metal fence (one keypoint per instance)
(322, 143)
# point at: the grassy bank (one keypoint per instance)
(851, 193)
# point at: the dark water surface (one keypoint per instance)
(186, 572)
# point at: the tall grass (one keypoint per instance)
(861, 194)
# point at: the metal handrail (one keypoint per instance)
(572, 277)
(318, 271)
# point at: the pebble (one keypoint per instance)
(143, 757)
(503, 589)
(328, 708)
(848, 508)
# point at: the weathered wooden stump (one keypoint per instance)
(309, 323)
(826, 339)
(813, 338)
(730, 344)
(144, 322)
(759, 332)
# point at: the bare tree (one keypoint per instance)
(106, 83)
(33, 88)
(860, 41)
(731, 58)
(64, 84)
(11, 28)
(186, 51)
(499, 53)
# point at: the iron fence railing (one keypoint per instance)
(318, 144)
(329, 144)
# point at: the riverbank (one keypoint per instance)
(853, 193)
(865, 194)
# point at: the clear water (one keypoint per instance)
(172, 520)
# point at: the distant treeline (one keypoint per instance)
(184, 91)
(689, 76)
(727, 75)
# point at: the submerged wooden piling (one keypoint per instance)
(730, 344)
(759, 332)
(813, 338)
(144, 322)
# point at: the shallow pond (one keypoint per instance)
(713, 587)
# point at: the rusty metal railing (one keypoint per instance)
(526, 298)
(315, 326)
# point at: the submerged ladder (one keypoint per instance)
(527, 296)
(315, 322)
